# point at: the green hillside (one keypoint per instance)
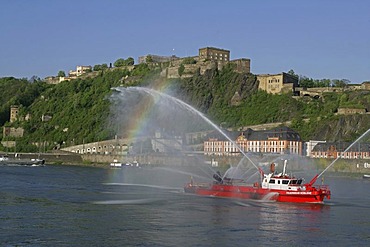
(79, 108)
(312, 118)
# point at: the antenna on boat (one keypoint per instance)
(285, 162)
(272, 167)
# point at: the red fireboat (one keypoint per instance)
(276, 187)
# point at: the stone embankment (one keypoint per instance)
(342, 166)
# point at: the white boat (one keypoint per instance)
(5, 160)
(366, 176)
(133, 164)
(115, 164)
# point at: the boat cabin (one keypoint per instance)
(281, 182)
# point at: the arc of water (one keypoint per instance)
(153, 93)
(364, 134)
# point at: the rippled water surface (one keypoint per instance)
(74, 206)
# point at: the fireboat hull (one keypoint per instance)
(311, 195)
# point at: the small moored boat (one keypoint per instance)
(5, 160)
(115, 164)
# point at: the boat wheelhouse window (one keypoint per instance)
(272, 181)
(285, 181)
(293, 181)
(299, 181)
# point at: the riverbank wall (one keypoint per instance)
(218, 162)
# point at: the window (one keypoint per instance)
(272, 181)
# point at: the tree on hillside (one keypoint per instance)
(189, 60)
(61, 73)
(310, 83)
(34, 78)
(97, 67)
(119, 62)
(149, 59)
(122, 62)
(291, 72)
(340, 83)
(130, 61)
(181, 69)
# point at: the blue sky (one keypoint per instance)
(316, 38)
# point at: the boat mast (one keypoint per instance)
(284, 168)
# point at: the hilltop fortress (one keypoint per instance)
(212, 58)
(208, 58)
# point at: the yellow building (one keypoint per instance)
(80, 69)
(277, 83)
(365, 85)
(14, 113)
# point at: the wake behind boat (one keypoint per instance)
(276, 187)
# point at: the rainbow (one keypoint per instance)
(139, 119)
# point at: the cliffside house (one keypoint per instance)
(277, 83)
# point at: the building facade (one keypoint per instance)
(242, 65)
(80, 69)
(14, 109)
(13, 132)
(279, 140)
(365, 85)
(214, 54)
(277, 83)
(350, 111)
(339, 150)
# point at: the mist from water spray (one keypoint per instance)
(188, 107)
(364, 134)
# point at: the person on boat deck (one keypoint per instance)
(217, 176)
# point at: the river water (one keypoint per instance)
(79, 206)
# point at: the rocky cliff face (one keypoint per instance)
(345, 128)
